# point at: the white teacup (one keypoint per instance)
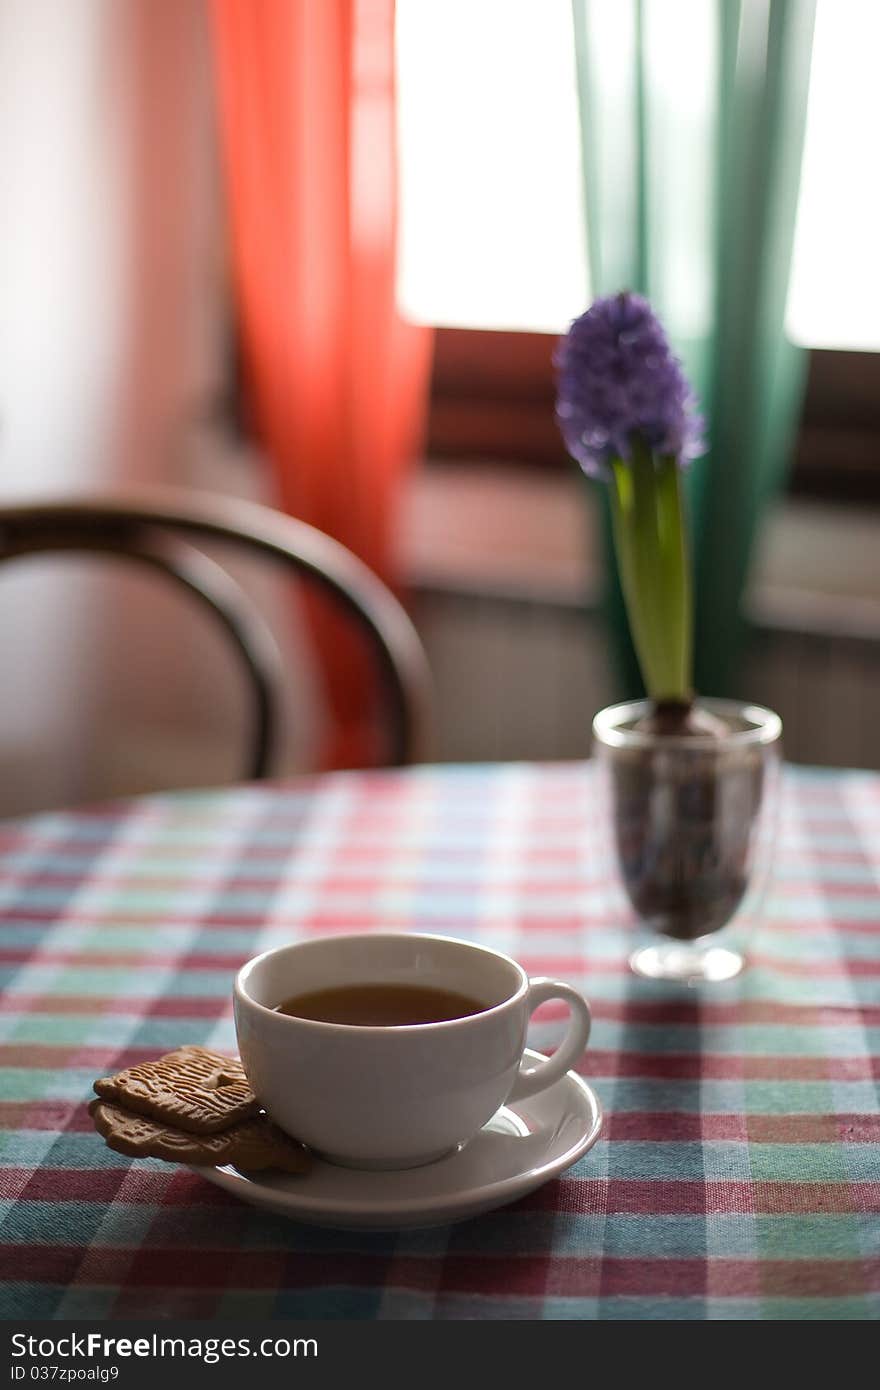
(394, 1097)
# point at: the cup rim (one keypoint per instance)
(241, 994)
(766, 727)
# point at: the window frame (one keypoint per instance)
(493, 393)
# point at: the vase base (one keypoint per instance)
(690, 963)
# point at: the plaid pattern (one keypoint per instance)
(738, 1174)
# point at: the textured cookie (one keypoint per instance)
(192, 1089)
(251, 1145)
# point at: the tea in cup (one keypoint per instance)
(389, 1050)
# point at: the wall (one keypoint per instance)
(508, 571)
(114, 353)
(523, 680)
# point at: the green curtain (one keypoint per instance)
(692, 115)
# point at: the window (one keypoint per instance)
(492, 220)
(491, 192)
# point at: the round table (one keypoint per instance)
(738, 1172)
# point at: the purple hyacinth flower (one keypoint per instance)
(617, 377)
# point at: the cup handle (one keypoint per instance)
(535, 1076)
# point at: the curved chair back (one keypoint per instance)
(164, 530)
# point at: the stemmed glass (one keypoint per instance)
(689, 824)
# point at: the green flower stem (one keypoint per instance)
(649, 537)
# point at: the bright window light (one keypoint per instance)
(834, 298)
(492, 225)
(492, 231)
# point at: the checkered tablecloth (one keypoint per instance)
(738, 1174)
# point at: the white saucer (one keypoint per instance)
(520, 1148)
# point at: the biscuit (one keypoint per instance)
(192, 1089)
(250, 1145)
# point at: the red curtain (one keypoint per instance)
(336, 381)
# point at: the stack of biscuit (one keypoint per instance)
(192, 1106)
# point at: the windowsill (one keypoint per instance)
(513, 533)
(816, 569)
(502, 531)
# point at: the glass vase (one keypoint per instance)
(689, 824)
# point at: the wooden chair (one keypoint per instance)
(163, 529)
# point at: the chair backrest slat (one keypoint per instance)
(165, 529)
